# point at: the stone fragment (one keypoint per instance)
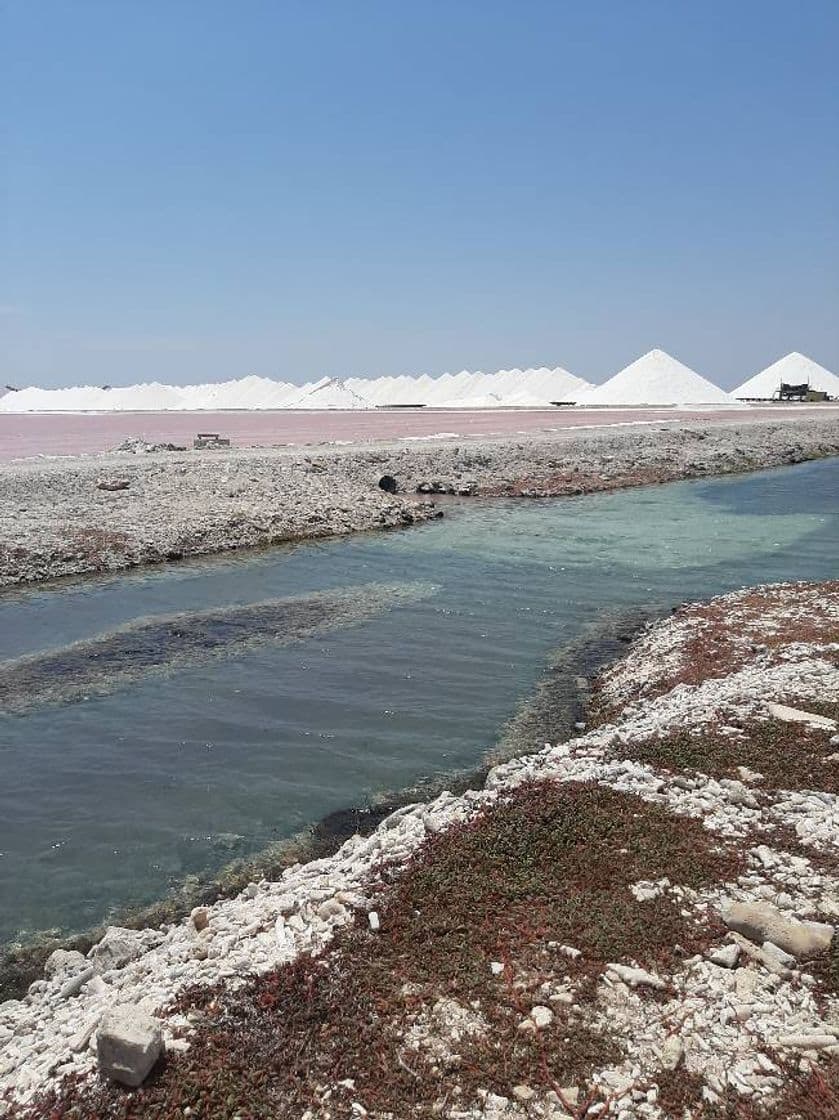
(64, 962)
(762, 922)
(112, 484)
(672, 1052)
(795, 715)
(570, 951)
(726, 956)
(523, 1093)
(749, 775)
(496, 967)
(117, 948)
(128, 1043)
(757, 953)
(738, 794)
(373, 919)
(82, 1037)
(200, 918)
(783, 958)
(74, 985)
(807, 1041)
(635, 977)
(542, 1016)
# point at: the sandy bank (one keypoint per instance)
(75, 516)
(638, 919)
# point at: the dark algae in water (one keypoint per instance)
(100, 665)
(215, 732)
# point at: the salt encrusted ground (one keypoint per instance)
(549, 946)
(85, 514)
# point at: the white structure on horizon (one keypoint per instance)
(793, 369)
(656, 378)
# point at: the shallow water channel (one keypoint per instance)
(128, 762)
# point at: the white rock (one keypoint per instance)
(64, 962)
(635, 977)
(117, 948)
(672, 1052)
(726, 956)
(128, 1043)
(542, 1016)
(761, 922)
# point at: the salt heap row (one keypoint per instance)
(530, 388)
(656, 379)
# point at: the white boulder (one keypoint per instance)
(761, 922)
(128, 1043)
(117, 948)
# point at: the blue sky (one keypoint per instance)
(197, 189)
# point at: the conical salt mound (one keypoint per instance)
(329, 392)
(794, 369)
(655, 379)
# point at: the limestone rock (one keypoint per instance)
(64, 962)
(672, 1052)
(726, 956)
(761, 922)
(74, 985)
(795, 715)
(200, 918)
(542, 1016)
(128, 1043)
(635, 977)
(117, 948)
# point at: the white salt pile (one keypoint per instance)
(329, 392)
(513, 388)
(794, 369)
(656, 379)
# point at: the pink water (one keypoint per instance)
(74, 433)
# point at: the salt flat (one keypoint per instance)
(73, 433)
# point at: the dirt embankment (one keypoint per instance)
(75, 516)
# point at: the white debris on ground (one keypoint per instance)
(753, 623)
(439, 1030)
(728, 1017)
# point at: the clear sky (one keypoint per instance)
(200, 189)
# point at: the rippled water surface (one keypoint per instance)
(109, 796)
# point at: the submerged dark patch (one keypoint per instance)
(100, 665)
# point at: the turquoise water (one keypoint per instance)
(109, 800)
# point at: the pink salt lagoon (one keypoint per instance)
(27, 434)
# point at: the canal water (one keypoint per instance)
(156, 725)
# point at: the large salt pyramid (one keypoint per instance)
(794, 369)
(655, 379)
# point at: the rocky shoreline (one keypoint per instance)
(636, 922)
(98, 513)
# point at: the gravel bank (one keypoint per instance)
(595, 932)
(86, 514)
